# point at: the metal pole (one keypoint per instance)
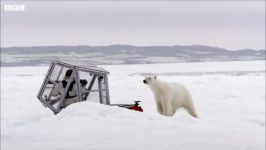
(107, 89)
(90, 86)
(100, 89)
(78, 84)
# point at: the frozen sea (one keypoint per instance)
(229, 98)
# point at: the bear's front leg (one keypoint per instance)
(167, 108)
(169, 111)
(159, 104)
(159, 107)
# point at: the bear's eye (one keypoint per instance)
(149, 78)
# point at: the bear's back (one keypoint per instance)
(180, 92)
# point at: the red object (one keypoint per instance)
(136, 107)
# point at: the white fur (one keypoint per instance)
(170, 96)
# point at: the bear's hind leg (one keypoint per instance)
(191, 110)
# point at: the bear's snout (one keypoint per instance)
(144, 81)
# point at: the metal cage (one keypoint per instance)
(66, 83)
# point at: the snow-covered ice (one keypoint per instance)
(230, 104)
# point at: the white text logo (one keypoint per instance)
(9, 7)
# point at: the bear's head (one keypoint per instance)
(149, 80)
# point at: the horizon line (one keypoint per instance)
(130, 45)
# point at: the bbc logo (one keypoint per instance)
(14, 7)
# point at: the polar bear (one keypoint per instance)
(170, 96)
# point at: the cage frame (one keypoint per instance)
(96, 71)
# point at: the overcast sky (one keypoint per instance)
(231, 25)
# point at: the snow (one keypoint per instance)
(231, 108)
